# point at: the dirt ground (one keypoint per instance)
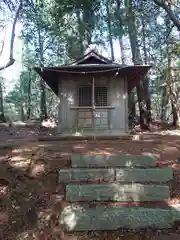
(31, 199)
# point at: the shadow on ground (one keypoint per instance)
(32, 199)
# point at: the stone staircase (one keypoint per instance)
(116, 192)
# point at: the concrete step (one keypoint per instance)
(79, 218)
(117, 174)
(94, 161)
(116, 192)
(76, 175)
(85, 137)
(144, 175)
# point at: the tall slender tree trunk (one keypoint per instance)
(81, 32)
(121, 44)
(132, 108)
(146, 80)
(109, 30)
(136, 60)
(122, 50)
(2, 117)
(43, 106)
(164, 96)
(29, 97)
(22, 113)
(174, 93)
(164, 103)
(176, 116)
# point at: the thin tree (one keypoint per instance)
(29, 94)
(2, 116)
(109, 29)
(11, 48)
(136, 58)
(120, 23)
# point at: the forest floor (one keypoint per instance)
(31, 198)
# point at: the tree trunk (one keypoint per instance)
(81, 32)
(122, 49)
(144, 121)
(29, 97)
(146, 80)
(132, 109)
(164, 104)
(22, 113)
(43, 106)
(110, 30)
(136, 60)
(2, 117)
(175, 108)
(175, 114)
(174, 94)
(40, 52)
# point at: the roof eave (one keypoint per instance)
(134, 74)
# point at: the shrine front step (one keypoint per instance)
(116, 192)
(148, 175)
(95, 161)
(115, 179)
(103, 218)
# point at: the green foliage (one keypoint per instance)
(18, 97)
(59, 31)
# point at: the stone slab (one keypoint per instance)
(113, 161)
(117, 174)
(176, 212)
(144, 175)
(78, 218)
(70, 175)
(116, 192)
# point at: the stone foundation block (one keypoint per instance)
(144, 175)
(116, 192)
(70, 175)
(79, 218)
(113, 161)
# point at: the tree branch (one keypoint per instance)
(11, 58)
(9, 4)
(170, 13)
(2, 47)
(174, 4)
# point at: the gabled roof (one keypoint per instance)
(133, 74)
(93, 64)
(92, 57)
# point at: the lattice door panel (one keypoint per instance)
(85, 118)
